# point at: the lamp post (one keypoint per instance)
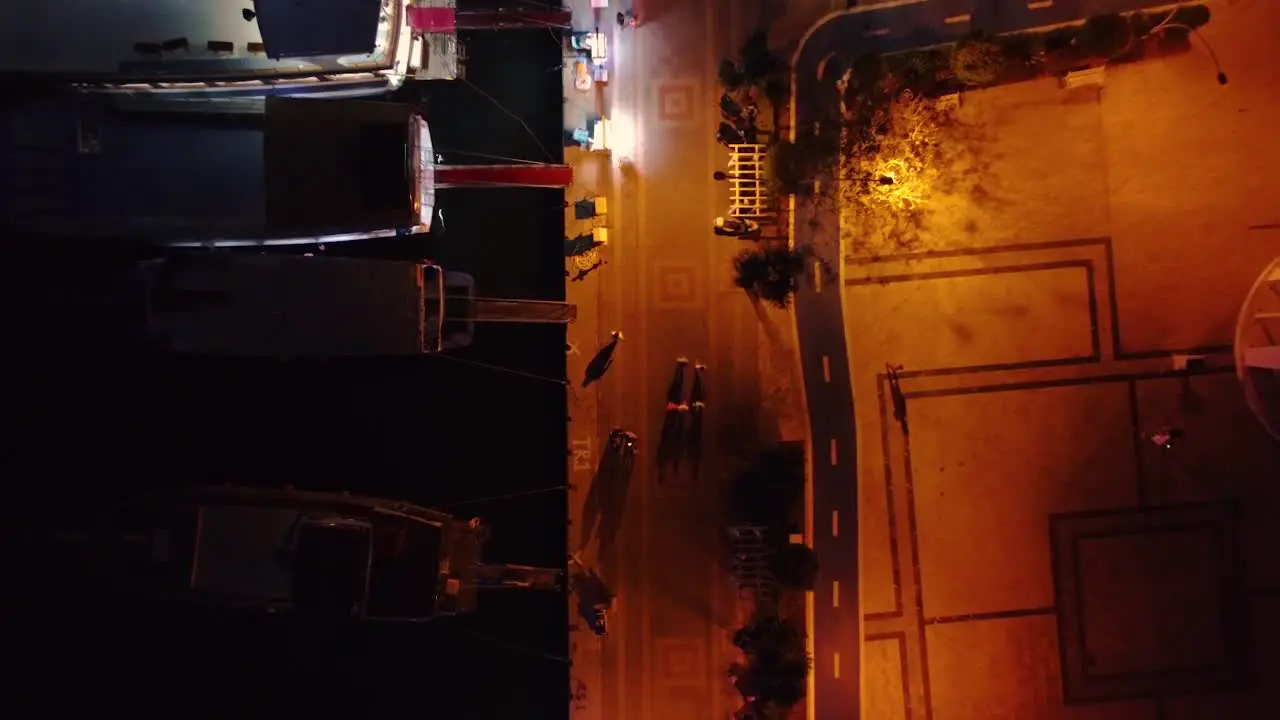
(1168, 23)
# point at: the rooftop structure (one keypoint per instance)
(246, 172)
(212, 46)
(318, 553)
(1257, 348)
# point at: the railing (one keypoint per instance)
(748, 191)
(751, 567)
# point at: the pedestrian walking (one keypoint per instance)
(697, 406)
(581, 244)
(670, 441)
(1165, 437)
(603, 359)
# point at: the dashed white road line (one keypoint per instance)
(835, 593)
(1039, 4)
(826, 369)
(834, 456)
(957, 19)
(817, 276)
(835, 665)
(835, 523)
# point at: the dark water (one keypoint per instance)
(85, 425)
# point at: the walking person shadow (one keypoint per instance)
(899, 400)
(697, 405)
(599, 364)
(669, 444)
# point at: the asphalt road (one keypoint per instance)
(837, 622)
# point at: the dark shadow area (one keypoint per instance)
(89, 420)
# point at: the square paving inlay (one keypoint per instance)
(1150, 601)
(677, 286)
(676, 101)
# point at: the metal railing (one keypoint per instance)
(748, 191)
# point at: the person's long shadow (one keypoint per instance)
(600, 363)
(607, 499)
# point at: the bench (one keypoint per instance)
(949, 102)
(1084, 78)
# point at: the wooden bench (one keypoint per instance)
(1084, 78)
(949, 102)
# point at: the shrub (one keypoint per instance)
(1105, 36)
(1141, 23)
(758, 61)
(977, 60)
(796, 566)
(1019, 47)
(730, 74)
(1193, 16)
(1060, 39)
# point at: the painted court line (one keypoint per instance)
(835, 593)
(826, 369)
(833, 452)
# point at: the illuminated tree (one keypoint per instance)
(898, 150)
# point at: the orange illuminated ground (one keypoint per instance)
(1066, 566)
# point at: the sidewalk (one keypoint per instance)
(597, 317)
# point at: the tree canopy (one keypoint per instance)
(769, 490)
(772, 272)
(777, 666)
(796, 566)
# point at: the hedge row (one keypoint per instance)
(980, 59)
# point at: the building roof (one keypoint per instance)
(300, 28)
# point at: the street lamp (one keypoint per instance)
(1168, 23)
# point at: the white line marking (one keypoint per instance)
(1039, 4)
(817, 276)
(835, 665)
(833, 452)
(957, 19)
(826, 369)
(835, 593)
(835, 523)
